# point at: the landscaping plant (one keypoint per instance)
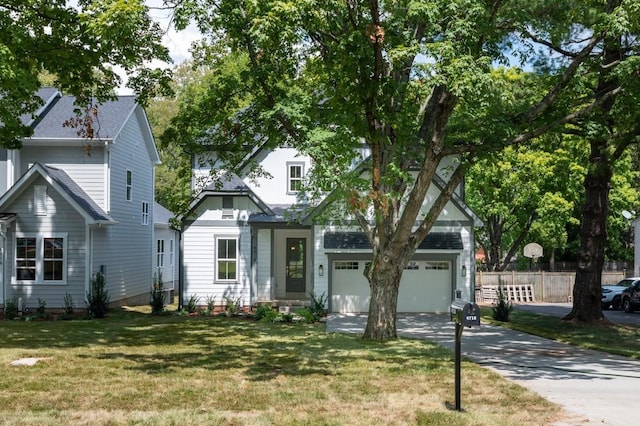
(157, 294)
(503, 307)
(98, 297)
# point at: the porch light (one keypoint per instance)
(321, 270)
(464, 270)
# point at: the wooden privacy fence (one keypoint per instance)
(553, 287)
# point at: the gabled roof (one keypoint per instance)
(66, 187)
(111, 118)
(229, 185)
(161, 215)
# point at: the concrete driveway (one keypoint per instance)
(593, 386)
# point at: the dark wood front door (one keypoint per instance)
(296, 265)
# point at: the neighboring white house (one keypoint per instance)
(166, 249)
(240, 242)
(73, 206)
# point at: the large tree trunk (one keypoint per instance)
(587, 292)
(383, 304)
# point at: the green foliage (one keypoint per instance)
(98, 297)
(318, 304)
(192, 304)
(78, 48)
(11, 309)
(69, 306)
(307, 315)
(157, 294)
(232, 306)
(41, 310)
(502, 308)
(211, 303)
(265, 313)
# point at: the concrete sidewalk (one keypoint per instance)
(595, 386)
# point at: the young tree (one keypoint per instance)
(413, 80)
(77, 45)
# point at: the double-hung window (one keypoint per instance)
(227, 259)
(41, 259)
(295, 172)
(129, 185)
(160, 254)
(145, 213)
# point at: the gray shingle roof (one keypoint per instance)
(357, 240)
(108, 122)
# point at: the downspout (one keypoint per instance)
(180, 271)
(3, 260)
(88, 268)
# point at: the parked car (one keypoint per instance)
(612, 294)
(631, 297)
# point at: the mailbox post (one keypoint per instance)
(464, 314)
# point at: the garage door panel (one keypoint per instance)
(425, 287)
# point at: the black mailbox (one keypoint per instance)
(465, 313)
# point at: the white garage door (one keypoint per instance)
(425, 287)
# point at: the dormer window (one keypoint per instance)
(295, 172)
(227, 207)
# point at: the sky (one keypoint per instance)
(178, 43)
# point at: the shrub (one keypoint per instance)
(69, 307)
(192, 305)
(232, 306)
(211, 304)
(98, 297)
(41, 310)
(502, 308)
(157, 294)
(11, 309)
(318, 304)
(307, 315)
(265, 313)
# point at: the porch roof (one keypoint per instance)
(358, 240)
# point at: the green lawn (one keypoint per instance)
(612, 338)
(135, 368)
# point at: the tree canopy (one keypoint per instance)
(79, 46)
(413, 80)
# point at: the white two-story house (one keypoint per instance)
(78, 200)
(240, 243)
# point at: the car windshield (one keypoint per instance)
(625, 283)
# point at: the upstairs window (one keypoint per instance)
(295, 172)
(227, 207)
(145, 213)
(129, 185)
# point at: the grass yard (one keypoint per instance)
(617, 339)
(135, 368)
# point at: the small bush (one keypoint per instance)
(11, 309)
(502, 308)
(318, 304)
(192, 305)
(284, 317)
(307, 315)
(69, 307)
(211, 303)
(265, 313)
(41, 310)
(98, 297)
(232, 306)
(157, 294)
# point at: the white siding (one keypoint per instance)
(60, 218)
(85, 167)
(125, 250)
(199, 264)
(263, 261)
(170, 269)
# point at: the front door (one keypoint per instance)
(296, 265)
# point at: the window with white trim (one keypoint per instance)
(295, 172)
(227, 259)
(160, 254)
(171, 252)
(129, 185)
(41, 259)
(145, 213)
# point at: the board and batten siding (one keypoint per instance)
(86, 167)
(60, 218)
(199, 244)
(263, 266)
(125, 250)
